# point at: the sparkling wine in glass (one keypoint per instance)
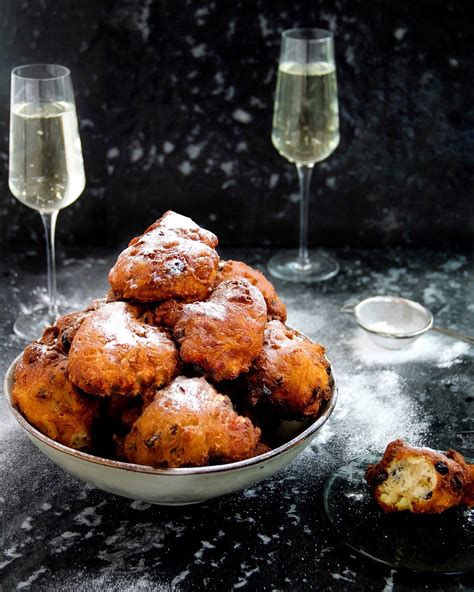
(305, 131)
(46, 170)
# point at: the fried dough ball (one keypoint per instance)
(173, 258)
(65, 328)
(223, 335)
(291, 376)
(232, 270)
(49, 401)
(113, 352)
(420, 480)
(190, 424)
(166, 314)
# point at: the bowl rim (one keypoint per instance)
(397, 300)
(166, 472)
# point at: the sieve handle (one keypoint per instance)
(455, 334)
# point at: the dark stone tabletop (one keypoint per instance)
(61, 534)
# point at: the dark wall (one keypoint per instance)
(175, 101)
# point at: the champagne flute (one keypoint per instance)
(305, 131)
(46, 171)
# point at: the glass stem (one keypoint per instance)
(49, 223)
(304, 175)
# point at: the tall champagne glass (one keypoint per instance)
(46, 169)
(305, 131)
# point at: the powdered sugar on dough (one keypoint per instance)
(214, 310)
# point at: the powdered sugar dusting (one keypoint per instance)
(117, 327)
(213, 310)
(380, 410)
(373, 409)
(112, 323)
(442, 352)
(389, 582)
(384, 327)
(173, 220)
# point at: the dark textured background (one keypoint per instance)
(175, 101)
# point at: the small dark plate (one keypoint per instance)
(441, 543)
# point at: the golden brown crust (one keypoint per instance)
(167, 313)
(112, 296)
(190, 424)
(468, 490)
(113, 352)
(49, 401)
(169, 260)
(420, 480)
(61, 334)
(232, 270)
(291, 376)
(223, 335)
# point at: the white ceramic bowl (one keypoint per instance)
(171, 487)
(393, 322)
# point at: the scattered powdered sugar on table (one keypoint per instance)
(309, 325)
(7, 428)
(29, 581)
(454, 264)
(114, 580)
(389, 582)
(433, 294)
(373, 409)
(441, 351)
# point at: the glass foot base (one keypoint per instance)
(436, 543)
(30, 326)
(284, 266)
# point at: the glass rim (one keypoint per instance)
(313, 34)
(16, 72)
